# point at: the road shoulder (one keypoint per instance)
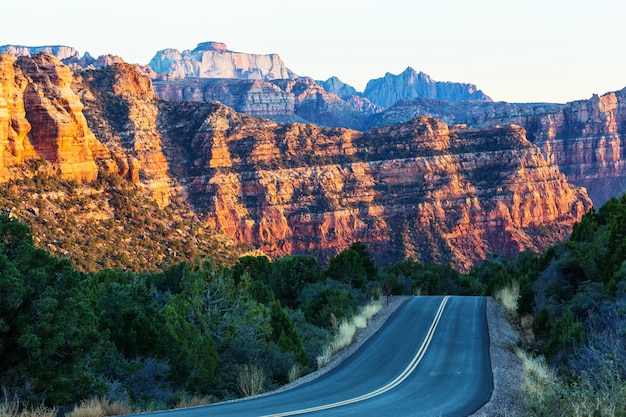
(506, 398)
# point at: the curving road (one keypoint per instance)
(431, 358)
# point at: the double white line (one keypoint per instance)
(391, 385)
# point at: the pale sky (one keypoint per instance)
(522, 51)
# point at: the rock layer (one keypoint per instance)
(419, 189)
(584, 138)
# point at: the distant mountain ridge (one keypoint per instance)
(60, 51)
(251, 84)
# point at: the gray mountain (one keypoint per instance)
(390, 89)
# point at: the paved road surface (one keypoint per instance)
(431, 358)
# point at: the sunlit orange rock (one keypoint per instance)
(418, 189)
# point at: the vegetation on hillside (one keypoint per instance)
(111, 223)
(571, 303)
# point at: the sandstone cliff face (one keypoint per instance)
(214, 60)
(121, 109)
(15, 146)
(42, 114)
(584, 138)
(44, 117)
(419, 189)
(390, 89)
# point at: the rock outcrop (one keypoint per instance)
(584, 138)
(15, 145)
(43, 117)
(43, 109)
(390, 89)
(419, 189)
(121, 109)
(214, 60)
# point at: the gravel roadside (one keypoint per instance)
(506, 398)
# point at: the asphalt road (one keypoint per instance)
(431, 358)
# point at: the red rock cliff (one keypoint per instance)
(417, 189)
(121, 109)
(584, 138)
(41, 116)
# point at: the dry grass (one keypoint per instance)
(16, 409)
(295, 372)
(346, 331)
(100, 407)
(539, 379)
(527, 328)
(546, 395)
(508, 298)
(251, 380)
(195, 401)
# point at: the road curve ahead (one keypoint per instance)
(431, 358)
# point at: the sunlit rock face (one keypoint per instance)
(41, 116)
(122, 110)
(418, 189)
(80, 124)
(421, 188)
(214, 60)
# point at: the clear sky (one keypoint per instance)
(521, 51)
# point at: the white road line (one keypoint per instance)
(391, 385)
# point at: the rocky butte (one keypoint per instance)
(418, 189)
(214, 60)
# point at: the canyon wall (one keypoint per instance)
(584, 138)
(418, 189)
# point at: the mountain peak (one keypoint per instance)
(211, 46)
(411, 84)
